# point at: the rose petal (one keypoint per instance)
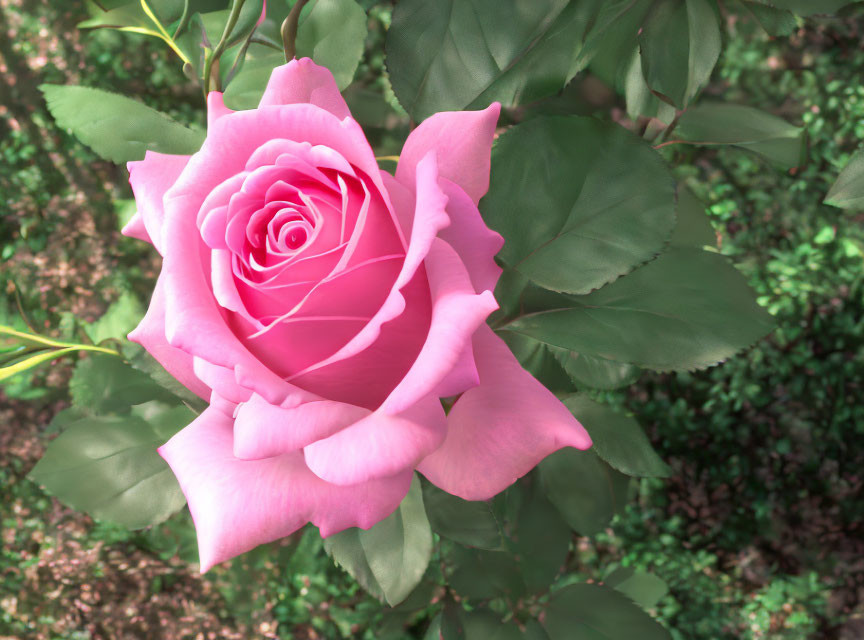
(457, 312)
(151, 178)
(135, 229)
(263, 430)
(379, 445)
(430, 217)
(150, 334)
(238, 504)
(216, 107)
(475, 243)
(221, 379)
(463, 143)
(303, 81)
(498, 431)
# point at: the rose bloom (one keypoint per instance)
(324, 307)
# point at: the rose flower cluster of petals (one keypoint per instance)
(323, 307)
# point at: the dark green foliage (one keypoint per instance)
(565, 229)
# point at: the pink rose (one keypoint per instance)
(323, 307)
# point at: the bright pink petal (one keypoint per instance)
(135, 229)
(263, 430)
(238, 504)
(457, 312)
(462, 141)
(303, 81)
(216, 107)
(475, 243)
(150, 334)
(150, 179)
(499, 431)
(429, 218)
(379, 445)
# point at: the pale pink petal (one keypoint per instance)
(151, 178)
(379, 445)
(135, 229)
(457, 312)
(499, 431)
(264, 430)
(238, 504)
(403, 202)
(150, 334)
(475, 243)
(462, 377)
(303, 81)
(462, 141)
(221, 379)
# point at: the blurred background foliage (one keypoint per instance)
(758, 533)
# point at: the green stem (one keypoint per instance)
(289, 30)
(184, 20)
(236, 6)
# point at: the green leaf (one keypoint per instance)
(585, 490)
(538, 359)
(143, 361)
(120, 318)
(848, 190)
(484, 574)
(389, 559)
(618, 438)
(598, 613)
(104, 383)
(579, 202)
(594, 372)
(108, 466)
(541, 540)
(469, 523)
(458, 54)
(687, 309)
(775, 22)
(645, 589)
(483, 624)
(693, 228)
(680, 44)
(810, 7)
(331, 32)
(116, 127)
(712, 124)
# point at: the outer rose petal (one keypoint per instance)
(150, 334)
(463, 142)
(457, 312)
(303, 81)
(500, 430)
(150, 179)
(263, 430)
(239, 504)
(380, 445)
(475, 243)
(135, 229)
